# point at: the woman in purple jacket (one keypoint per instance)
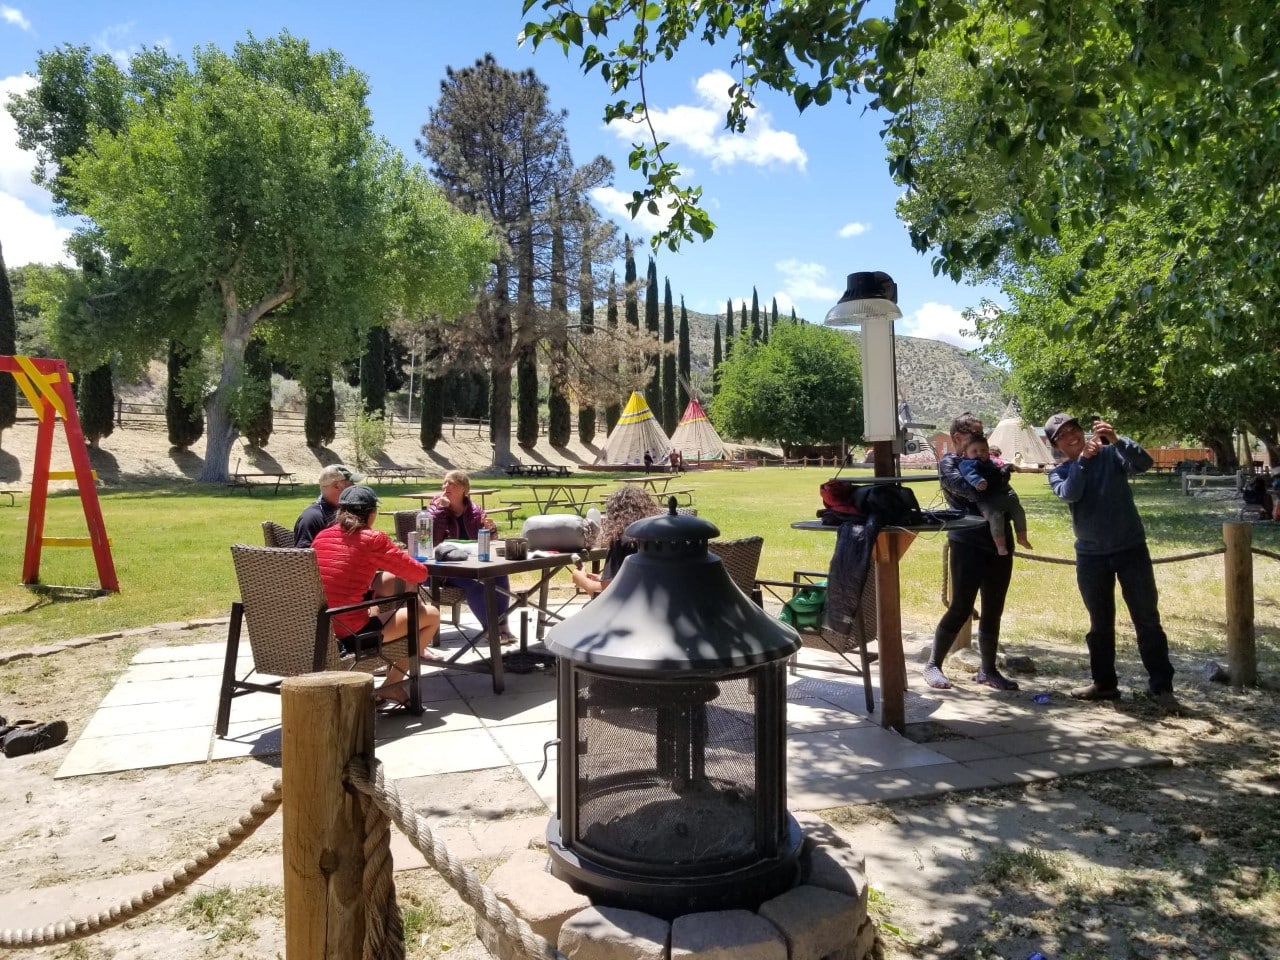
(455, 517)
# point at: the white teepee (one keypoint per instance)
(1019, 442)
(636, 432)
(696, 438)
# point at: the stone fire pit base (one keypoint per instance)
(823, 918)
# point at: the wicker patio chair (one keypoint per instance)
(274, 535)
(823, 638)
(450, 597)
(290, 629)
(741, 558)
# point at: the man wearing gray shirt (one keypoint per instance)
(1111, 546)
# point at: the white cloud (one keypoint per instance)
(28, 236)
(614, 202)
(701, 129)
(854, 229)
(14, 16)
(940, 321)
(112, 41)
(805, 281)
(16, 164)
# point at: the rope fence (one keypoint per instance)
(67, 930)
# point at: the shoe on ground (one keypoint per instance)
(1093, 692)
(935, 678)
(33, 739)
(995, 680)
(1166, 702)
(506, 638)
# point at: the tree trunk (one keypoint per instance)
(221, 430)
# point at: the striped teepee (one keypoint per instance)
(635, 432)
(696, 438)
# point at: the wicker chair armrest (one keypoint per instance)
(805, 574)
(365, 604)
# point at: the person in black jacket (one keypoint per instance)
(977, 568)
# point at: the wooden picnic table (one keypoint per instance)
(403, 474)
(546, 496)
(653, 482)
(275, 479)
(425, 498)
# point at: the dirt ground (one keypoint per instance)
(1181, 862)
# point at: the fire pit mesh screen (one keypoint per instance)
(667, 770)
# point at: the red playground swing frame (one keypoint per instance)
(47, 386)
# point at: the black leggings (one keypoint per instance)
(975, 571)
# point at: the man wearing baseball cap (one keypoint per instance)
(1111, 546)
(333, 480)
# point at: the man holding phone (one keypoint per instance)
(1111, 546)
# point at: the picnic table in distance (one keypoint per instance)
(653, 482)
(395, 472)
(274, 479)
(537, 470)
(548, 496)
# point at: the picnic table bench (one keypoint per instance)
(11, 494)
(274, 479)
(508, 513)
(687, 493)
(1204, 480)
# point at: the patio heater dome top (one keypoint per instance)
(868, 295)
(672, 607)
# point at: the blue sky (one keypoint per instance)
(800, 200)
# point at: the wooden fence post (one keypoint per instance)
(1242, 654)
(327, 718)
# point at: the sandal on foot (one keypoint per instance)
(935, 678)
(32, 739)
(995, 680)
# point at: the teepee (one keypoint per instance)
(636, 432)
(695, 437)
(1019, 442)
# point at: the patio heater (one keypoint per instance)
(870, 304)
(671, 725)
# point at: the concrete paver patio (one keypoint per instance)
(161, 713)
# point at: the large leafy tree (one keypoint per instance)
(802, 387)
(253, 180)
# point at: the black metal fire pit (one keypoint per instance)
(672, 735)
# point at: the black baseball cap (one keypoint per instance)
(1053, 426)
(359, 498)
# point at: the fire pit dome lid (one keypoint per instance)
(672, 608)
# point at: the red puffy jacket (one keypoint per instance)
(348, 563)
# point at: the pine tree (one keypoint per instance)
(253, 409)
(755, 316)
(773, 318)
(97, 402)
(8, 346)
(613, 411)
(184, 420)
(715, 362)
(586, 324)
(742, 331)
(685, 359)
(320, 420)
(559, 415)
(670, 415)
(794, 318)
(373, 372)
(728, 329)
(527, 396)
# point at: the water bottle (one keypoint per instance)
(482, 544)
(425, 546)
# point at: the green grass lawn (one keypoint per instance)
(170, 549)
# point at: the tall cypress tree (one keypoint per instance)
(794, 318)
(184, 420)
(559, 415)
(742, 331)
(431, 429)
(653, 390)
(755, 316)
(97, 400)
(253, 414)
(320, 419)
(670, 414)
(685, 359)
(612, 411)
(715, 362)
(773, 319)
(8, 346)
(373, 371)
(587, 324)
(728, 329)
(629, 281)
